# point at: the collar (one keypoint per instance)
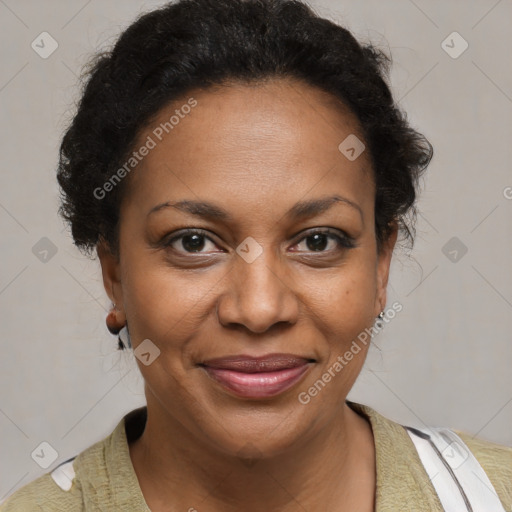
(401, 477)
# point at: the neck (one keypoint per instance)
(334, 468)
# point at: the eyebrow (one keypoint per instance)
(302, 209)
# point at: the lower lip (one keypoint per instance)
(258, 385)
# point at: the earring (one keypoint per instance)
(379, 319)
(115, 329)
(111, 321)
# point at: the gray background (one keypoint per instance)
(444, 360)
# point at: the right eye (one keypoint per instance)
(191, 241)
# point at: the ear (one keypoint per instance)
(110, 268)
(382, 268)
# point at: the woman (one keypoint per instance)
(243, 174)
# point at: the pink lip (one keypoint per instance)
(257, 377)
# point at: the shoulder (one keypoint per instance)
(496, 460)
(43, 494)
(99, 477)
(401, 471)
(61, 488)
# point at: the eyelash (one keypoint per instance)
(344, 241)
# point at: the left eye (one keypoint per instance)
(319, 241)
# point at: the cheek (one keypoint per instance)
(349, 293)
(162, 303)
(345, 313)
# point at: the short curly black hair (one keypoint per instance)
(192, 44)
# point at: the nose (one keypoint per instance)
(257, 295)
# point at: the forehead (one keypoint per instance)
(250, 145)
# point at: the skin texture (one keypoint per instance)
(255, 151)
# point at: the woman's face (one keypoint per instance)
(256, 281)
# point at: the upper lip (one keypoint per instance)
(250, 364)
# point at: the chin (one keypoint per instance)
(257, 430)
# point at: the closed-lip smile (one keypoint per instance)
(257, 377)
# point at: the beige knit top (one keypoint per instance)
(105, 479)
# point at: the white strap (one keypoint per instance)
(458, 478)
(63, 475)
